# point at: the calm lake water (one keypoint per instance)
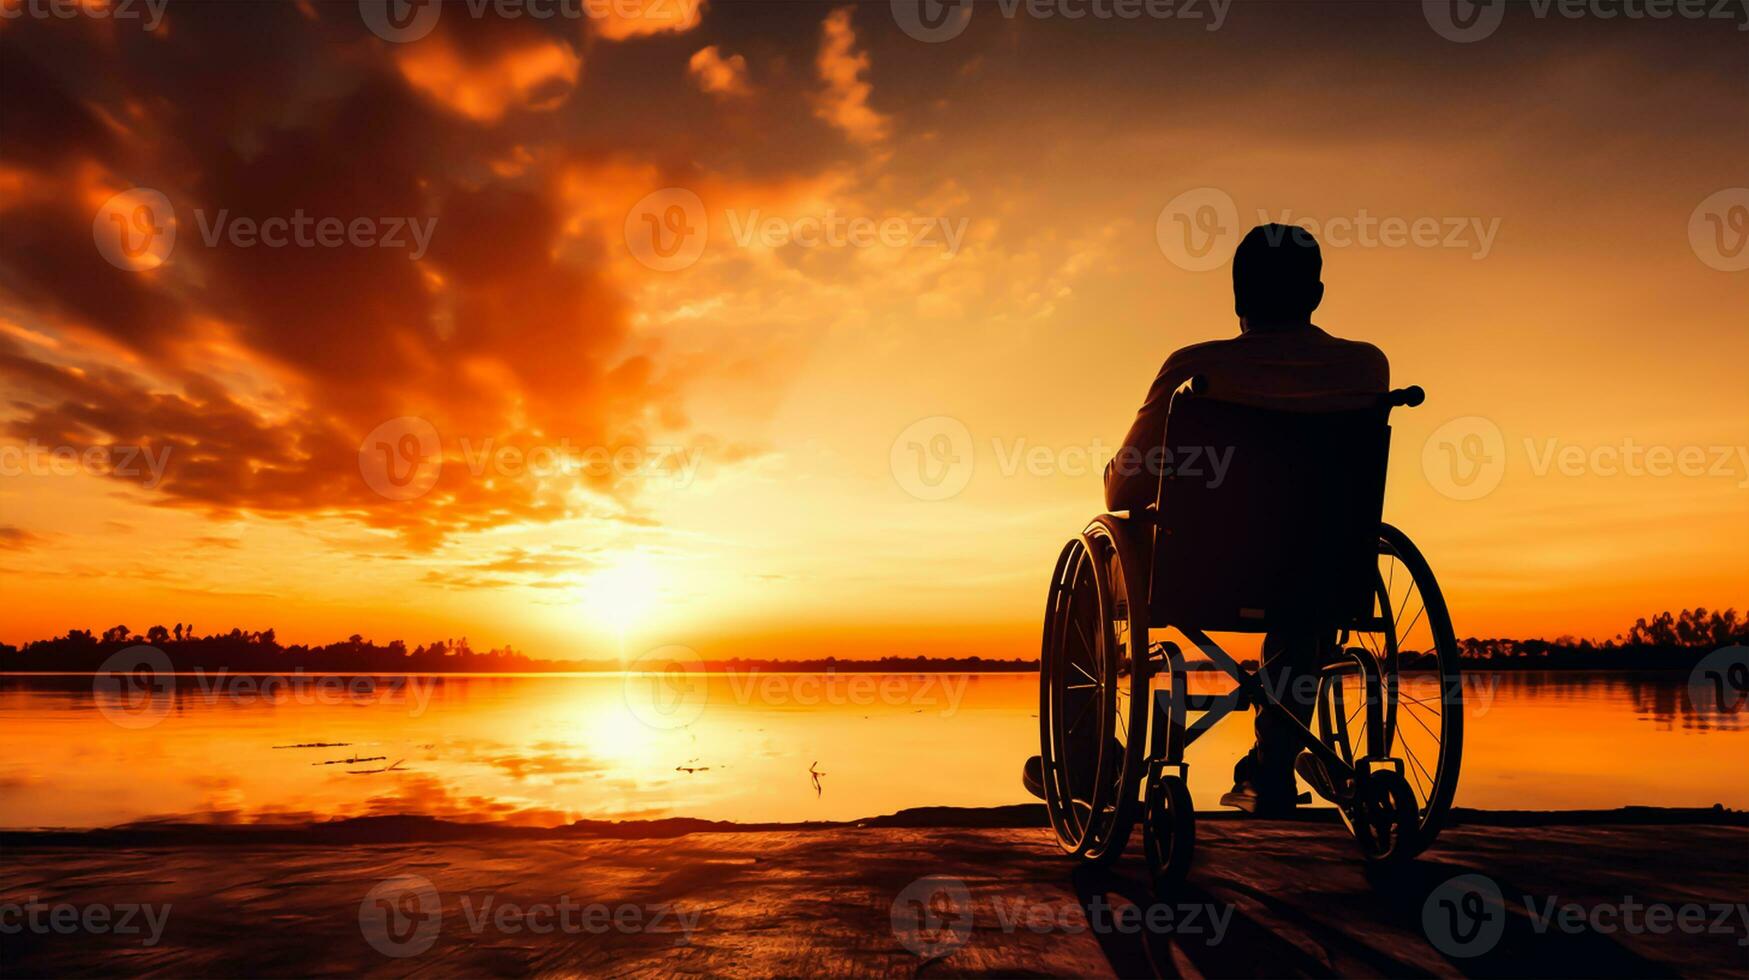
(551, 749)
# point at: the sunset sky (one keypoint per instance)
(872, 252)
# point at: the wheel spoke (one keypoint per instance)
(1086, 644)
(1417, 763)
(1366, 638)
(1404, 635)
(1421, 701)
(1078, 718)
(1417, 716)
(1417, 780)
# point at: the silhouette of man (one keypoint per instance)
(1279, 360)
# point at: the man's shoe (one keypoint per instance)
(1244, 797)
(1032, 776)
(1311, 769)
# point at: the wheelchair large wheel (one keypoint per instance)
(1410, 638)
(1093, 681)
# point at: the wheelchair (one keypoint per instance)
(1289, 538)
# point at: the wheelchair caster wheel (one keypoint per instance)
(1170, 834)
(1384, 817)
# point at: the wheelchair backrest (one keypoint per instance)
(1268, 519)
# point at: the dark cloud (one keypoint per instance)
(262, 369)
(17, 538)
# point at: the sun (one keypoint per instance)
(620, 597)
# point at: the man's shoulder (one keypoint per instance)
(1360, 350)
(1185, 357)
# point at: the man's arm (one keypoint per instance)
(1131, 483)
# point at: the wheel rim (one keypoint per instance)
(1411, 638)
(1089, 672)
(1075, 697)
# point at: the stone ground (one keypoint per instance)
(1264, 899)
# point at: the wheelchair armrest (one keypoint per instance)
(1147, 515)
(1409, 397)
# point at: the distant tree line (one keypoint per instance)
(1667, 640)
(260, 652)
(243, 651)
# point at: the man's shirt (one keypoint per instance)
(1303, 369)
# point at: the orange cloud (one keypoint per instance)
(622, 19)
(844, 103)
(719, 75)
(536, 76)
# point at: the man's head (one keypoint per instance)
(1276, 275)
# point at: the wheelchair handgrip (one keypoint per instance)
(1406, 397)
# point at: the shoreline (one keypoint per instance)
(1514, 666)
(405, 829)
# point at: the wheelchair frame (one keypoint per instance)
(1368, 786)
